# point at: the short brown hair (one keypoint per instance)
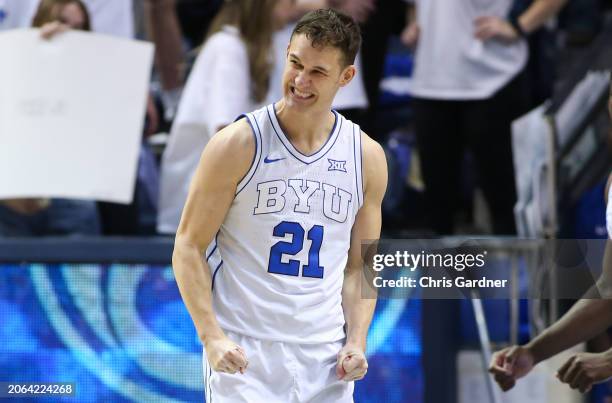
(327, 27)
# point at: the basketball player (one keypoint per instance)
(283, 198)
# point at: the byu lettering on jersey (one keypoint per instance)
(278, 259)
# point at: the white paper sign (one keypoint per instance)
(71, 114)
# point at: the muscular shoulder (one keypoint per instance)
(374, 167)
(231, 150)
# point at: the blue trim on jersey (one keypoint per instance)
(287, 143)
(214, 248)
(212, 286)
(258, 153)
(361, 166)
(331, 134)
(355, 165)
(212, 251)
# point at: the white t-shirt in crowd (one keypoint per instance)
(112, 17)
(216, 93)
(451, 63)
(351, 96)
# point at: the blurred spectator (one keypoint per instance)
(164, 30)
(114, 17)
(231, 76)
(36, 217)
(469, 86)
(384, 20)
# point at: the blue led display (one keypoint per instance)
(122, 334)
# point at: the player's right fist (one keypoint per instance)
(226, 356)
(510, 364)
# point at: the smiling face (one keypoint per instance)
(313, 75)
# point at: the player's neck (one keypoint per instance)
(308, 132)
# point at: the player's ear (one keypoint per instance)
(347, 75)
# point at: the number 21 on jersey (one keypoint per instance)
(292, 248)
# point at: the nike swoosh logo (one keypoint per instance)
(269, 160)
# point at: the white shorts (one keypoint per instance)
(280, 373)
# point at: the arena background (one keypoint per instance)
(107, 315)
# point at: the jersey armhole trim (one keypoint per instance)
(256, 157)
(212, 285)
(216, 243)
(358, 158)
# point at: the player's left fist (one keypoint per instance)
(352, 364)
(583, 370)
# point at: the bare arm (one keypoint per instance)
(224, 162)
(358, 311)
(540, 11)
(586, 319)
(163, 28)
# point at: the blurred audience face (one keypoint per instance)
(313, 75)
(72, 15)
(282, 13)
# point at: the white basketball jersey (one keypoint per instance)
(278, 260)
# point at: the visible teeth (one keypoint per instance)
(301, 94)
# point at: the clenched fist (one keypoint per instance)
(583, 370)
(510, 364)
(352, 364)
(226, 356)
